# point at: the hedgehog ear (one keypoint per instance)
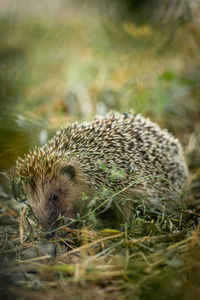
(69, 170)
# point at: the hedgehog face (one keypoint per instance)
(54, 198)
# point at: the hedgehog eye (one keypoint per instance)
(55, 197)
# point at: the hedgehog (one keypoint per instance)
(125, 154)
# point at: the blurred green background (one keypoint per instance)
(69, 60)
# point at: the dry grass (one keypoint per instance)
(145, 261)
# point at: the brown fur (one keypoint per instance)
(70, 193)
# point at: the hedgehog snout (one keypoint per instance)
(49, 225)
(48, 219)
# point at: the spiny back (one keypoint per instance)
(132, 143)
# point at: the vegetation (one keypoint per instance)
(64, 61)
